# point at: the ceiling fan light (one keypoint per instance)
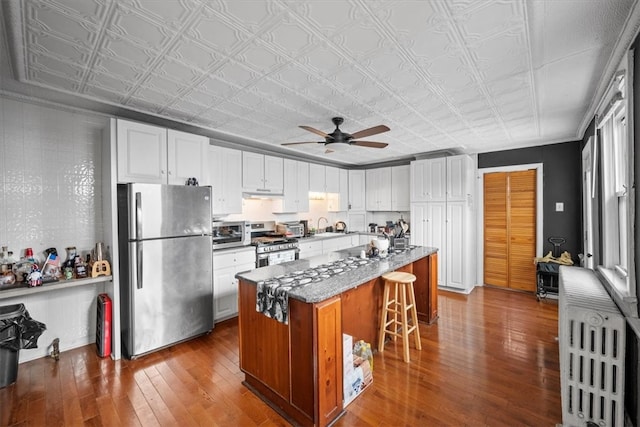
(338, 146)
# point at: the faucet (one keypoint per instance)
(319, 222)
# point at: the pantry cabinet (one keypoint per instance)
(225, 177)
(447, 224)
(261, 173)
(155, 155)
(428, 180)
(400, 179)
(296, 187)
(378, 189)
(226, 264)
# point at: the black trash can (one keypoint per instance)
(17, 330)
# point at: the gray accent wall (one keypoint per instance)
(561, 183)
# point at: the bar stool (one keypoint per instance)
(402, 284)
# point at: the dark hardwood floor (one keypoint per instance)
(491, 359)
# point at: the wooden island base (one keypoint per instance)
(297, 368)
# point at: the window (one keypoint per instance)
(615, 140)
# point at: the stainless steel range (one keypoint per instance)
(272, 248)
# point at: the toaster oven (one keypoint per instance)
(290, 229)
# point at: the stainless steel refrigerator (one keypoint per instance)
(166, 264)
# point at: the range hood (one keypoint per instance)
(261, 195)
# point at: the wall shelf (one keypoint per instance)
(53, 286)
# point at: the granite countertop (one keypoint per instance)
(335, 285)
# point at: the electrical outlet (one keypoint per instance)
(559, 207)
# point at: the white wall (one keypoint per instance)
(50, 177)
(50, 196)
(262, 210)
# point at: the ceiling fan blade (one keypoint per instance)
(371, 131)
(313, 130)
(298, 143)
(370, 144)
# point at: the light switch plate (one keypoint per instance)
(559, 207)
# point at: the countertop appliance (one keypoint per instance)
(341, 227)
(272, 247)
(229, 234)
(290, 229)
(166, 264)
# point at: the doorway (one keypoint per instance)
(509, 229)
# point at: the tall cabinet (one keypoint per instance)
(442, 215)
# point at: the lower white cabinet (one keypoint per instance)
(226, 264)
(336, 244)
(310, 247)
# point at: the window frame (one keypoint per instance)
(614, 125)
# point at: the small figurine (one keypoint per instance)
(35, 277)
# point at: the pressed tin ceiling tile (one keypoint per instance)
(442, 74)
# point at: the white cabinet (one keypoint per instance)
(156, 155)
(400, 183)
(447, 224)
(186, 157)
(296, 188)
(378, 189)
(344, 190)
(336, 244)
(357, 190)
(331, 180)
(460, 170)
(428, 228)
(310, 247)
(428, 180)
(324, 179)
(225, 178)
(261, 173)
(226, 264)
(338, 201)
(316, 178)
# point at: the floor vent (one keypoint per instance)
(592, 347)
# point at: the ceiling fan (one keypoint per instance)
(339, 137)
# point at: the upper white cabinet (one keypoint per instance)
(156, 155)
(186, 157)
(378, 192)
(324, 179)
(428, 180)
(338, 201)
(261, 173)
(331, 180)
(357, 190)
(460, 176)
(225, 178)
(296, 187)
(400, 179)
(316, 178)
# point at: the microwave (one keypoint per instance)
(290, 229)
(230, 234)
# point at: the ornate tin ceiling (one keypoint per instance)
(459, 75)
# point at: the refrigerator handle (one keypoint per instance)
(139, 265)
(138, 216)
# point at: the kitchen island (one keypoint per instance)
(296, 367)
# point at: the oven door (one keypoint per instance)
(275, 258)
(282, 256)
